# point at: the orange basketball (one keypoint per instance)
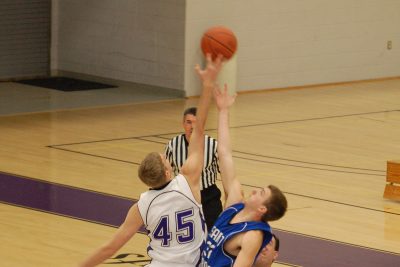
(219, 40)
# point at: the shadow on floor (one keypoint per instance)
(16, 98)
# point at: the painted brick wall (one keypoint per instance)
(285, 43)
(130, 40)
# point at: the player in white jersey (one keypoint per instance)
(171, 209)
(183, 214)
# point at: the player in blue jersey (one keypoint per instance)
(171, 210)
(242, 229)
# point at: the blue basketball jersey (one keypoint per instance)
(214, 254)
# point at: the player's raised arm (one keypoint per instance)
(193, 166)
(231, 184)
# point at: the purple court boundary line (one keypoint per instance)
(64, 200)
(296, 249)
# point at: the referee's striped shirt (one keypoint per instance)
(176, 152)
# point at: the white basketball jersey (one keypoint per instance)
(175, 224)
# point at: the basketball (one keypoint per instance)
(219, 40)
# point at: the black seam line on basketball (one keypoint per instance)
(307, 162)
(331, 201)
(233, 127)
(64, 185)
(212, 38)
(335, 241)
(94, 155)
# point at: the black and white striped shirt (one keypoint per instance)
(176, 152)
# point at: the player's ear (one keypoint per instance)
(167, 173)
(276, 253)
(262, 209)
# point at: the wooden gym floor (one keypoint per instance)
(68, 177)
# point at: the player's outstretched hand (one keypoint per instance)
(222, 98)
(210, 73)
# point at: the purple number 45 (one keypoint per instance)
(184, 228)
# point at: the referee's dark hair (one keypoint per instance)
(191, 111)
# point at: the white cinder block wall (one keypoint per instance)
(131, 40)
(282, 43)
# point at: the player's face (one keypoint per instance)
(259, 196)
(188, 123)
(267, 255)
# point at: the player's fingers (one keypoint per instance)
(234, 97)
(225, 88)
(219, 60)
(208, 58)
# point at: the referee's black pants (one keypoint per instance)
(212, 205)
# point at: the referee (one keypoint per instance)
(176, 152)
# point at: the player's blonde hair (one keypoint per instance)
(152, 170)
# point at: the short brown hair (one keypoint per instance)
(276, 205)
(191, 111)
(152, 170)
